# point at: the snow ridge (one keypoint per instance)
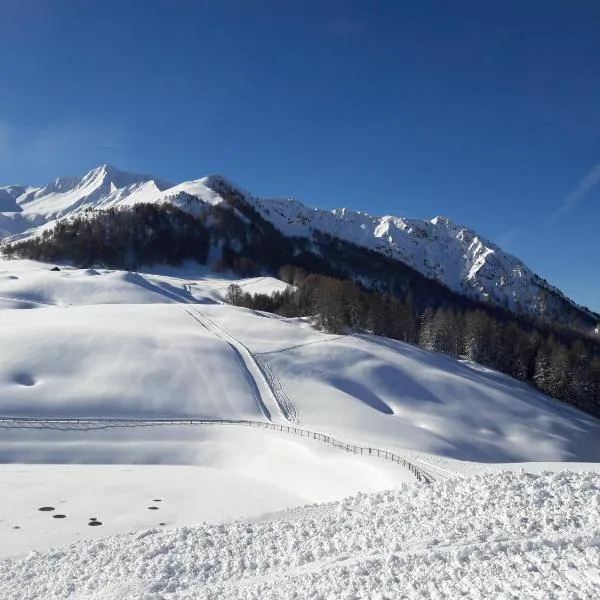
(502, 535)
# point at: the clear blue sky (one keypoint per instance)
(486, 112)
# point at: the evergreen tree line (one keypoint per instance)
(395, 300)
(121, 239)
(568, 370)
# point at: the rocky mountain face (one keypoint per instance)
(439, 249)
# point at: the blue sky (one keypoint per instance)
(486, 112)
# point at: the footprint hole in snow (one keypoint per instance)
(24, 379)
(94, 523)
(46, 508)
(153, 508)
(59, 516)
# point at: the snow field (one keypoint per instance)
(393, 395)
(122, 498)
(503, 535)
(116, 344)
(200, 474)
(118, 360)
(99, 343)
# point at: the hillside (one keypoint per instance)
(224, 511)
(101, 343)
(453, 255)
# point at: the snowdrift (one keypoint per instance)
(504, 535)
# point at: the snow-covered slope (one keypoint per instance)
(450, 253)
(440, 249)
(113, 344)
(117, 344)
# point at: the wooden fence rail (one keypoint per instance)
(113, 423)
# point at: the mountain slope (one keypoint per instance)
(439, 249)
(111, 343)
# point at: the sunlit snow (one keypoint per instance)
(162, 343)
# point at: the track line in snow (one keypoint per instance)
(280, 350)
(241, 357)
(34, 302)
(266, 381)
(285, 403)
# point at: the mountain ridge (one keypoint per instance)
(440, 249)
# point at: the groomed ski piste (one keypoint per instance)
(141, 503)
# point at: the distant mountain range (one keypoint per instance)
(441, 250)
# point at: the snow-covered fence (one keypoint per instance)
(109, 423)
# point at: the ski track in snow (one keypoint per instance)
(287, 407)
(263, 380)
(502, 535)
(243, 358)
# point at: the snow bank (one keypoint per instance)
(503, 535)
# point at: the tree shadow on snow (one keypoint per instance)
(529, 397)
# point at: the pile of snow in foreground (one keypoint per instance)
(503, 535)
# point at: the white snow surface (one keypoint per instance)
(161, 343)
(451, 253)
(502, 535)
(99, 343)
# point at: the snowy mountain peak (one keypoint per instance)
(105, 186)
(108, 175)
(444, 221)
(439, 249)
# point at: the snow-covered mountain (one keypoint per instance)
(26, 207)
(439, 249)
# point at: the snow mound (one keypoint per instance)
(504, 535)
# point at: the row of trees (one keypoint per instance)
(394, 300)
(143, 234)
(567, 370)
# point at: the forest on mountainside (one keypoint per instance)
(346, 287)
(122, 239)
(558, 362)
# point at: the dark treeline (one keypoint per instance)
(393, 299)
(568, 369)
(121, 239)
